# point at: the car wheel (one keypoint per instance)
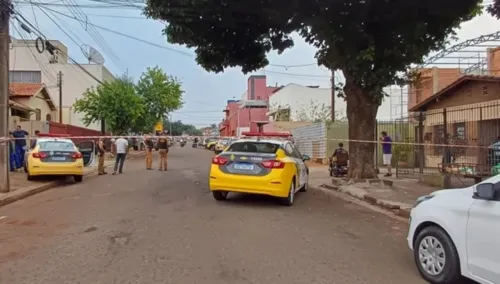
(30, 177)
(305, 187)
(436, 256)
(288, 201)
(25, 168)
(78, 178)
(220, 195)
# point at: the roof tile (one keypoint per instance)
(24, 89)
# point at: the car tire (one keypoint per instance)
(288, 201)
(30, 177)
(450, 273)
(220, 195)
(78, 178)
(305, 187)
(25, 168)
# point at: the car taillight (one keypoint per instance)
(39, 155)
(77, 156)
(219, 161)
(273, 164)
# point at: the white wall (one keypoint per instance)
(25, 57)
(298, 98)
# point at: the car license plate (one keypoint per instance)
(245, 167)
(59, 158)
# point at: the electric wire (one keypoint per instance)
(188, 53)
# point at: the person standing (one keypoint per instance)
(13, 160)
(121, 146)
(20, 143)
(149, 145)
(101, 153)
(386, 152)
(163, 151)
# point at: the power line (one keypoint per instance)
(187, 53)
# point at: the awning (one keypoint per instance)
(19, 106)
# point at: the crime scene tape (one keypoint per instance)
(295, 140)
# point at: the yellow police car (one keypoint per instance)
(222, 144)
(54, 156)
(260, 166)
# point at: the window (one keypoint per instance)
(56, 146)
(296, 152)
(438, 137)
(25, 76)
(38, 114)
(48, 117)
(459, 131)
(254, 147)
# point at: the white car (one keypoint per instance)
(455, 234)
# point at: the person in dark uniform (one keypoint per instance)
(163, 151)
(101, 151)
(148, 142)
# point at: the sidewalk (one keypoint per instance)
(20, 187)
(394, 194)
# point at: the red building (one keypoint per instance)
(246, 118)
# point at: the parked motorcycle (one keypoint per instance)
(195, 144)
(183, 143)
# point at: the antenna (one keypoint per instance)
(92, 55)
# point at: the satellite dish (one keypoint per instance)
(92, 55)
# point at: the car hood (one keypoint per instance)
(467, 191)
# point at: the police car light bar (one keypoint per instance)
(266, 134)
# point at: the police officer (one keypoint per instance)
(101, 152)
(149, 152)
(163, 151)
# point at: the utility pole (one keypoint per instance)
(5, 10)
(170, 124)
(59, 84)
(333, 96)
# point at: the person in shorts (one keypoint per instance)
(386, 152)
(163, 151)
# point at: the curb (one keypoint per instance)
(401, 210)
(46, 186)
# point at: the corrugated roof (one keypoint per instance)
(19, 106)
(448, 89)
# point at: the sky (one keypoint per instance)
(205, 93)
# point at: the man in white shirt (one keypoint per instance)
(121, 152)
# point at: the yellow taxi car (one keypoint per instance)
(211, 144)
(54, 156)
(259, 166)
(222, 144)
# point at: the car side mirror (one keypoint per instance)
(484, 191)
(305, 158)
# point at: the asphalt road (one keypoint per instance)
(165, 227)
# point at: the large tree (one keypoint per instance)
(179, 128)
(160, 93)
(116, 102)
(370, 41)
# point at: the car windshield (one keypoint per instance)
(223, 142)
(254, 147)
(56, 146)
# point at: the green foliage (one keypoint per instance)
(370, 41)
(494, 9)
(179, 128)
(112, 102)
(402, 152)
(160, 94)
(126, 106)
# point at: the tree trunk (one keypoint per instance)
(361, 114)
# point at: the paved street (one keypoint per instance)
(165, 227)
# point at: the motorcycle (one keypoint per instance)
(195, 144)
(183, 143)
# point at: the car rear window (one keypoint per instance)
(254, 147)
(56, 146)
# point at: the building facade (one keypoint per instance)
(295, 102)
(239, 119)
(27, 65)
